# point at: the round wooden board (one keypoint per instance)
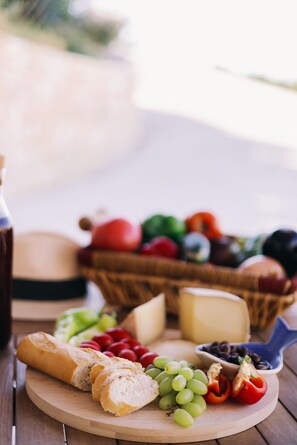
(77, 409)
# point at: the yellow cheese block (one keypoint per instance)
(147, 321)
(208, 315)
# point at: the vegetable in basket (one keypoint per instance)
(162, 225)
(116, 234)
(206, 223)
(161, 246)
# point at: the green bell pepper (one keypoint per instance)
(73, 321)
(162, 225)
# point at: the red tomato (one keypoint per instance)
(147, 358)
(90, 344)
(109, 353)
(128, 354)
(116, 234)
(117, 347)
(140, 350)
(118, 334)
(104, 340)
(133, 342)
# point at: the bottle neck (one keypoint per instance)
(2, 178)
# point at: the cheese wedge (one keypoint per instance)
(147, 321)
(208, 315)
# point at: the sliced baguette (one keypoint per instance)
(113, 362)
(106, 377)
(128, 393)
(58, 359)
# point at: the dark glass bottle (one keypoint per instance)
(6, 248)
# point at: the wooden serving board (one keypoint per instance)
(77, 409)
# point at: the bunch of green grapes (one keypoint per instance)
(181, 388)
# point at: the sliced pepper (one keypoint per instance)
(206, 223)
(248, 386)
(219, 385)
(73, 321)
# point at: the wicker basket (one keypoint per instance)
(129, 280)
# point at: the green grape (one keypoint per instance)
(179, 382)
(197, 387)
(172, 367)
(161, 377)
(183, 418)
(183, 363)
(151, 366)
(153, 372)
(184, 396)
(199, 400)
(187, 372)
(168, 401)
(200, 375)
(165, 387)
(161, 361)
(106, 321)
(194, 409)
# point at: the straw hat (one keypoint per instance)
(46, 278)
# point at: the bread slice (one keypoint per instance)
(128, 393)
(112, 362)
(106, 377)
(67, 363)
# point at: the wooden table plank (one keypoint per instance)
(248, 437)
(6, 393)
(27, 327)
(33, 426)
(288, 391)
(279, 428)
(76, 437)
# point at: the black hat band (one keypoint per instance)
(48, 290)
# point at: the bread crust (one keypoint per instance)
(55, 358)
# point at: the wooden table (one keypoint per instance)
(24, 424)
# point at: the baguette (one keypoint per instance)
(116, 362)
(106, 376)
(128, 393)
(67, 363)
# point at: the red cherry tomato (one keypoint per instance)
(128, 354)
(140, 350)
(133, 342)
(108, 353)
(90, 344)
(117, 347)
(116, 234)
(104, 340)
(147, 358)
(118, 334)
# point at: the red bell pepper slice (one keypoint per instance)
(248, 386)
(219, 385)
(204, 222)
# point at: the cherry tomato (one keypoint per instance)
(118, 334)
(117, 347)
(140, 350)
(128, 354)
(116, 234)
(104, 340)
(133, 342)
(147, 358)
(109, 354)
(90, 344)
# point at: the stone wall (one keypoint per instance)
(61, 114)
